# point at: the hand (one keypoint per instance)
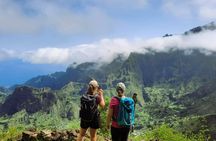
(108, 127)
(132, 128)
(100, 91)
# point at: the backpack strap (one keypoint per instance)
(91, 96)
(118, 98)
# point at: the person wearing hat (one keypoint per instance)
(118, 133)
(93, 90)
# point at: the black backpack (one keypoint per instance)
(88, 107)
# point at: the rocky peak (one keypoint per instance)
(29, 99)
(211, 26)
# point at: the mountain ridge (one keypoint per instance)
(208, 27)
(172, 87)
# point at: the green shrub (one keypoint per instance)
(103, 113)
(165, 133)
(75, 124)
(12, 133)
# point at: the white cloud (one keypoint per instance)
(50, 15)
(122, 4)
(47, 56)
(6, 54)
(201, 9)
(177, 8)
(105, 50)
(66, 19)
(205, 40)
(102, 51)
(13, 20)
(76, 16)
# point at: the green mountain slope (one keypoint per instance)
(81, 74)
(176, 70)
(176, 88)
(200, 102)
(172, 67)
(30, 99)
(155, 67)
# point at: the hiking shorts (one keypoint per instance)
(95, 123)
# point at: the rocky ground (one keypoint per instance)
(48, 135)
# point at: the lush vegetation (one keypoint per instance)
(176, 96)
(165, 133)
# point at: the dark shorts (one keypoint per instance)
(95, 123)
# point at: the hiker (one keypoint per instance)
(134, 97)
(119, 131)
(89, 114)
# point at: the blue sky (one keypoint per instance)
(43, 36)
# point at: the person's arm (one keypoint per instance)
(109, 117)
(102, 102)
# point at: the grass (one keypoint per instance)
(12, 134)
(165, 133)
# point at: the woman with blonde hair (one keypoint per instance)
(89, 114)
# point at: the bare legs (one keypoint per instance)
(93, 134)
